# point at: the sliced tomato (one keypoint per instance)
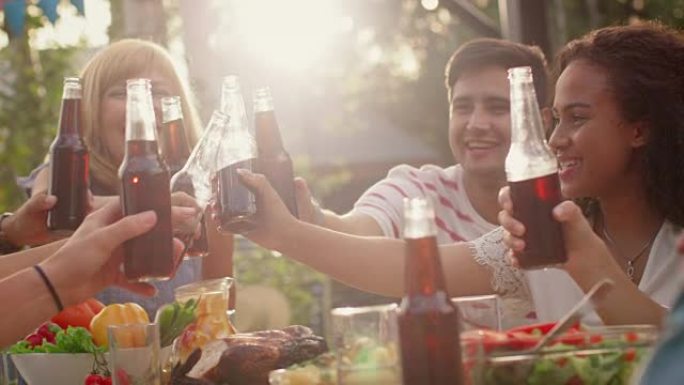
(539, 328)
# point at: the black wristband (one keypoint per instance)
(45, 278)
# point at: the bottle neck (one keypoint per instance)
(267, 132)
(174, 144)
(141, 148)
(70, 118)
(140, 119)
(529, 155)
(423, 271)
(203, 156)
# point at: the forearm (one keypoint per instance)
(351, 223)
(12, 263)
(625, 304)
(371, 264)
(28, 303)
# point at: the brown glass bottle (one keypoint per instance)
(428, 320)
(236, 203)
(273, 161)
(145, 186)
(172, 137)
(532, 174)
(69, 173)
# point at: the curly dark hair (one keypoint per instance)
(645, 68)
(483, 52)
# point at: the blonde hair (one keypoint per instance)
(113, 65)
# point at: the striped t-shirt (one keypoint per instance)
(455, 217)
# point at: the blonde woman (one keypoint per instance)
(104, 112)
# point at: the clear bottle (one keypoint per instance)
(532, 174)
(236, 204)
(194, 179)
(172, 137)
(428, 321)
(145, 180)
(273, 160)
(69, 173)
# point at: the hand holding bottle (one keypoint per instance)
(587, 253)
(27, 226)
(273, 216)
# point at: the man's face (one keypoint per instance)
(479, 121)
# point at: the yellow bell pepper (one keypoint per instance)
(119, 314)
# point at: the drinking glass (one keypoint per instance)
(479, 312)
(366, 341)
(134, 354)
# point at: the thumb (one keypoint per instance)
(127, 228)
(302, 190)
(257, 183)
(575, 225)
(40, 202)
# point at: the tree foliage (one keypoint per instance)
(30, 95)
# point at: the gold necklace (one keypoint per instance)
(631, 261)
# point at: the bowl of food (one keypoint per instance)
(597, 356)
(54, 368)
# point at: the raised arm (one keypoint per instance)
(350, 223)
(374, 264)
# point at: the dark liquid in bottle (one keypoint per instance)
(174, 145)
(69, 183)
(195, 247)
(199, 247)
(145, 181)
(278, 171)
(68, 171)
(533, 201)
(236, 203)
(428, 321)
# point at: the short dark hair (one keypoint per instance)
(483, 52)
(645, 68)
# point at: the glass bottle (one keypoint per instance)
(145, 180)
(273, 160)
(173, 140)
(69, 173)
(532, 174)
(428, 321)
(236, 204)
(194, 179)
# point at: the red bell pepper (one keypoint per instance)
(78, 315)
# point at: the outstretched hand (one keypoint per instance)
(272, 214)
(91, 259)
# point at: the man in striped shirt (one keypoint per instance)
(465, 194)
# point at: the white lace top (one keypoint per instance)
(507, 281)
(547, 294)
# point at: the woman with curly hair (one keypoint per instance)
(619, 140)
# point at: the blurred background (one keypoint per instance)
(358, 88)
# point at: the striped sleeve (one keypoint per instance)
(384, 201)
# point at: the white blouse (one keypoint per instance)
(546, 295)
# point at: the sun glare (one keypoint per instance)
(290, 34)
(71, 28)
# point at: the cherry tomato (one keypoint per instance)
(93, 379)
